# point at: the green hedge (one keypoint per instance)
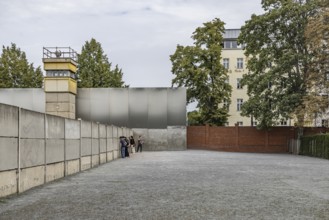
(315, 146)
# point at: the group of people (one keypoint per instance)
(126, 144)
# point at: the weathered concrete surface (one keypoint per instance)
(184, 185)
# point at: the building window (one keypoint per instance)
(240, 123)
(239, 64)
(231, 44)
(238, 83)
(226, 105)
(239, 104)
(226, 63)
(324, 123)
(254, 123)
(283, 123)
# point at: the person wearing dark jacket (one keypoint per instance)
(123, 144)
(127, 146)
(132, 144)
(139, 143)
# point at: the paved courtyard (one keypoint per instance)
(188, 184)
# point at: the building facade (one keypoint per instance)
(235, 61)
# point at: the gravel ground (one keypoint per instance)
(188, 184)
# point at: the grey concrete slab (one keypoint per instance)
(102, 131)
(72, 149)
(85, 129)
(55, 151)
(8, 116)
(55, 126)
(177, 137)
(32, 124)
(86, 146)
(102, 143)
(33, 151)
(184, 185)
(72, 129)
(8, 153)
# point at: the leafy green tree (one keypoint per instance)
(16, 72)
(199, 68)
(95, 69)
(194, 118)
(279, 60)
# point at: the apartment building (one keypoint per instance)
(235, 61)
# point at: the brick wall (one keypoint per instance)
(241, 139)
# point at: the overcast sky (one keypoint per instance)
(138, 35)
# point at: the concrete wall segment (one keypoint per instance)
(8, 120)
(55, 151)
(32, 124)
(102, 143)
(86, 146)
(55, 171)
(72, 149)
(54, 127)
(32, 152)
(72, 129)
(85, 129)
(176, 138)
(109, 131)
(8, 153)
(95, 146)
(102, 131)
(72, 166)
(8, 183)
(31, 177)
(95, 130)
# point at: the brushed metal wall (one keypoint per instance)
(133, 107)
(125, 107)
(32, 99)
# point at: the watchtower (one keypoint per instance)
(60, 64)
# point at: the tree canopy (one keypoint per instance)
(279, 61)
(199, 68)
(95, 69)
(16, 72)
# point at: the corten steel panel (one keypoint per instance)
(157, 108)
(29, 98)
(118, 112)
(138, 108)
(83, 104)
(100, 105)
(176, 107)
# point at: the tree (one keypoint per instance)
(317, 39)
(95, 69)
(194, 118)
(199, 68)
(279, 60)
(16, 72)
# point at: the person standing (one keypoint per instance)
(127, 147)
(139, 143)
(132, 144)
(123, 146)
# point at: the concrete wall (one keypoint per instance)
(36, 148)
(172, 138)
